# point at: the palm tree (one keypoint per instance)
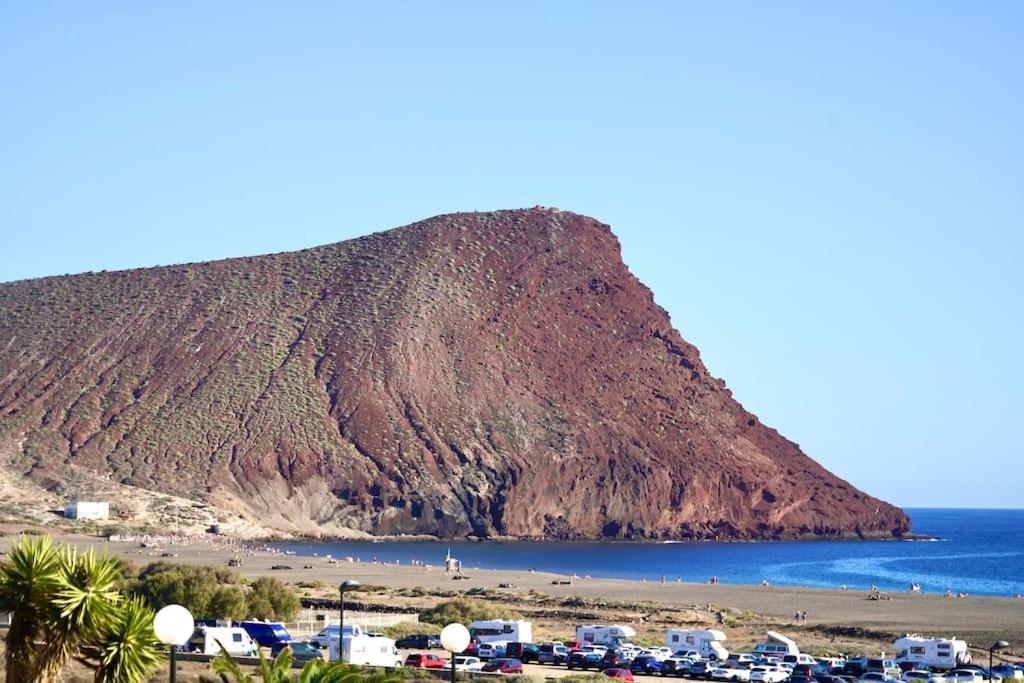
(129, 650)
(28, 577)
(62, 603)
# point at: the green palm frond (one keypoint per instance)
(87, 593)
(224, 665)
(129, 650)
(28, 576)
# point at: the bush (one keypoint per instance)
(215, 592)
(270, 598)
(465, 610)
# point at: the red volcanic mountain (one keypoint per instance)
(488, 374)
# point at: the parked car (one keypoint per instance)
(524, 652)
(769, 674)
(965, 676)
(687, 654)
(324, 637)
(702, 669)
(1008, 672)
(420, 641)
(464, 663)
(421, 660)
(645, 664)
(503, 665)
(620, 674)
(876, 677)
(549, 653)
(730, 672)
(584, 659)
(676, 666)
(301, 652)
(613, 659)
(577, 644)
(491, 650)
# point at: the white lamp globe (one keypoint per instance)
(455, 638)
(173, 625)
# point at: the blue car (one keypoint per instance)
(645, 664)
(267, 633)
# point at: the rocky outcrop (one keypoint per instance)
(488, 374)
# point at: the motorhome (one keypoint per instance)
(364, 649)
(934, 653)
(707, 643)
(207, 640)
(605, 635)
(776, 644)
(501, 631)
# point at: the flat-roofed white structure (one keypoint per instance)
(81, 509)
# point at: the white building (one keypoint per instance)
(81, 509)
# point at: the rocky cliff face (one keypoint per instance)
(474, 374)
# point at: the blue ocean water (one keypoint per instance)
(980, 552)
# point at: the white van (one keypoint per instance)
(501, 630)
(364, 649)
(235, 640)
(708, 643)
(934, 653)
(604, 635)
(776, 644)
(492, 650)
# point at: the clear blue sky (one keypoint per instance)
(827, 197)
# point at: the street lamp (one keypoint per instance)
(454, 639)
(998, 645)
(345, 585)
(173, 626)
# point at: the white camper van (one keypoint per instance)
(934, 653)
(604, 635)
(776, 644)
(502, 631)
(234, 639)
(363, 649)
(707, 643)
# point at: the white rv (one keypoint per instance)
(502, 631)
(235, 640)
(934, 653)
(707, 643)
(605, 635)
(776, 644)
(363, 649)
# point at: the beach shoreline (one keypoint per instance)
(828, 610)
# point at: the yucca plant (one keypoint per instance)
(280, 671)
(63, 603)
(129, 650)
(28, 578)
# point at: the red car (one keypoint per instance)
(503, 666)
(621, 674)
(577, 644)
(421, 661)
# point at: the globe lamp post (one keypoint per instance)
(454, 639)
(173, 626)
(345, 585)
(998, 645)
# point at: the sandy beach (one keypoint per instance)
(830, 613)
